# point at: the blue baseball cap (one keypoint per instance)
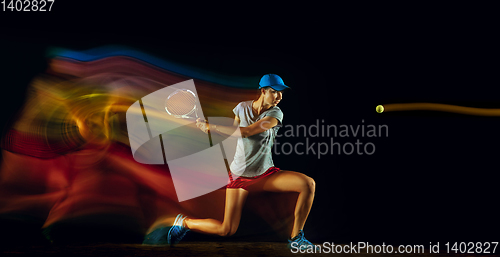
(272, 80)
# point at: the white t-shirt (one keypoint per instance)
(253, 155)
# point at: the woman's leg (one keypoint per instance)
(235, 199)
(290, 181)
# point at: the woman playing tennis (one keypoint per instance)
(259, 122)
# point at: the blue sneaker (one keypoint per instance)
(178, 230)
(299, 242)
(157, 236)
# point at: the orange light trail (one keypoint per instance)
(441, 108)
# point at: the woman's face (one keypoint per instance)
(272, 97)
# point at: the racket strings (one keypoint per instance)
(181, 103)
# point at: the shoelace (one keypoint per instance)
(179, 230)
(301, 240)
(180, 223)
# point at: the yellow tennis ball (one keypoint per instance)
(380, 108)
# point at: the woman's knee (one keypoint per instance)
(228, 230)
(309, 184)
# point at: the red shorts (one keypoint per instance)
(244, 182)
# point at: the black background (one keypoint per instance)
(434, 178)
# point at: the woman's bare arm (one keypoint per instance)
(256, 128)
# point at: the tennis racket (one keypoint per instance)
(182, 104)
